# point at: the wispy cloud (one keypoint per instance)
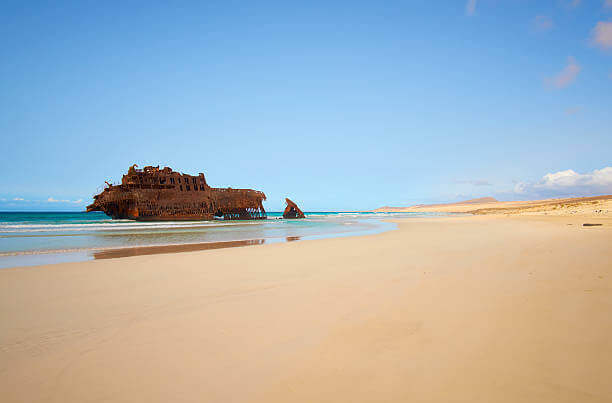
(542, 23)
(53, 200)
(602, 35)
(569, 183)
(566, 76)
(474, 182)
(571, 3)
(19, 200)
(470, 7)
(573, 110)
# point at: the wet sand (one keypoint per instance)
(475, 309)
(164, 249)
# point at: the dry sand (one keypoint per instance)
(465, 309)
(595, 206)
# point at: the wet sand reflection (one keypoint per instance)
(154, 250)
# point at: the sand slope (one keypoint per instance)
(595, 206)
(471, 309)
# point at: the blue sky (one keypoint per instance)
(337, 105)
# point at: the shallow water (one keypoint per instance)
(45, 237)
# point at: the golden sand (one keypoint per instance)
(470, 309)
(595, 206)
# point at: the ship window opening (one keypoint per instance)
(201, 187)
(187, 187)
(181, 188)
(193, 180)
(172, 180)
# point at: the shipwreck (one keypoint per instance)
(292, 210)
(153, 194)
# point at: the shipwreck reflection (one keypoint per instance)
(154, 250)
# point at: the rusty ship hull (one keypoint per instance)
(153, 194)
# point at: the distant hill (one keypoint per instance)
(480, 200)
(597, 206)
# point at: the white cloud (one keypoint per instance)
(566, 76)
(18, 199)
(569, 183)
(53, 200)
(543, 23)
(474, 182)
(602, 35)
(470, 7)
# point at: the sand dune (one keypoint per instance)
(595, 206)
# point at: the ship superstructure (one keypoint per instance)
(154, 194)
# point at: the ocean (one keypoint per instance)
(35, 238)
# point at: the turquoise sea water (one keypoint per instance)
(50, 237)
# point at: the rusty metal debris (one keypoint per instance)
(292, 210)
(153, 194)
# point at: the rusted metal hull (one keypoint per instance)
(152, 194)
(292, 210)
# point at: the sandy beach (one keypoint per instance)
(471, 309)
(304, 202)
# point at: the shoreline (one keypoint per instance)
(55, 257)
(35, 258)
